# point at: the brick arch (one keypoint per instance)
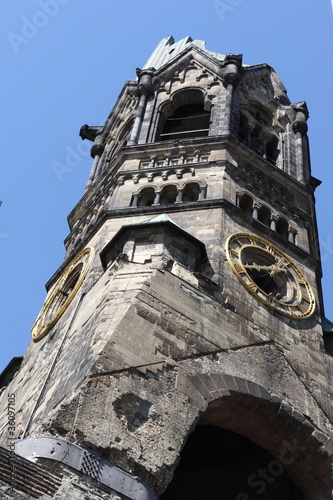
(266, 419)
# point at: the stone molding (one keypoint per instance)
(268, 420)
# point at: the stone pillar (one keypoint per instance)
(167, 158)
(144, 91)
(273, 222)
(135, 200)
(255, 211)
(232, 64)
(157, 197)
(203, 191)
(300, 128)
(96, 152)
(180, 195)
(291, 234)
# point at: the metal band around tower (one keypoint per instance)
(85, 461)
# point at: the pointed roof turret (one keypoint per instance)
(167, 49)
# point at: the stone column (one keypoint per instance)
(203, 192)
(135, 200)
(255, 211)
(291, 234)
(300, 128)
(232, 64)
(93, 134)
(96, 152)
(144, 91)
(273, 222)
(157, 197)
(180, 195)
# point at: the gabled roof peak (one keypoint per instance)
(167, 49)
(160, 218)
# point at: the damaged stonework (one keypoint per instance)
(173, 330)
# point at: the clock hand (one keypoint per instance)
(273, 268)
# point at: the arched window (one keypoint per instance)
(191, 192)
(190, 120)
(282, 227)
(146, 197)
(246, 203)
(264, 216)
(185, 115)
(257, 129)
(168, 195)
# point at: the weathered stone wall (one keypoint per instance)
(157, 342)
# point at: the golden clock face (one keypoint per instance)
(270, 276)
(62, 293)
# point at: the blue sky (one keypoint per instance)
(64, 63)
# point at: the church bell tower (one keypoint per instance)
(180, 350)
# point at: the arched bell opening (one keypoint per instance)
(146, 197)
(191, 191)
(264, 216)
(217, 463)
(246, 204)
(186, 115)
(282, 227)
(168, 194)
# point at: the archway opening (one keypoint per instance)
(168, 195)
(146, 197)
(246, 204)
(190, 120)
(217, 464)
(264, 216)
(191, 192)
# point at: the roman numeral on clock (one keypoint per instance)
(253, 287)
(302, 308)
(239, 269)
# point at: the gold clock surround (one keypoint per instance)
(62, 293)
(270, 276)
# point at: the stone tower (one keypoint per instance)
(180, 352)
